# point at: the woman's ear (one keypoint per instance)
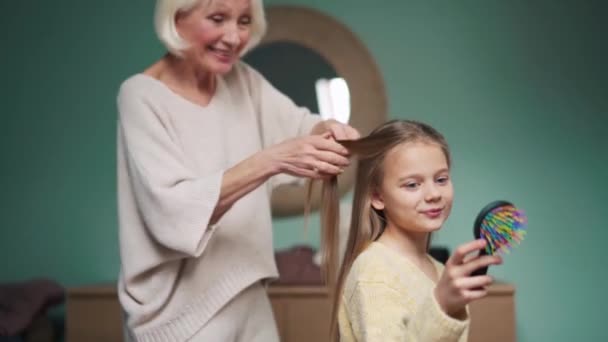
(180, 20)
(377, 201)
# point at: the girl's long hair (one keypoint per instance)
(367, 224)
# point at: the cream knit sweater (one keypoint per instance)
(386, 298)
(177, 271)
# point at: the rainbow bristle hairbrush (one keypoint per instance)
(502, 225)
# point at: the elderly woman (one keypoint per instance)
(202, 139)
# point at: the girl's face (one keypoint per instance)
(416, 191)
(217, 33)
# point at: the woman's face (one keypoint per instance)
(217, 32)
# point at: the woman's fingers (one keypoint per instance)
(316, 156)
(332, 158)
(327, 168)
(327, 135)
(321, 143)
(351, 133)
(312, 173)
(340, 131)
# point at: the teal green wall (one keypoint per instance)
(518, 88)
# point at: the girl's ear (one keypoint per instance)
(377, 201)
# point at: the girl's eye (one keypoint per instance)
(411, 185)
(442, 180)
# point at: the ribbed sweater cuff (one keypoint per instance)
(442, 326)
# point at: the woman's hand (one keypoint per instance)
(313, 156)
(456, 288)
(338, 130)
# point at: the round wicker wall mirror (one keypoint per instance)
(314, 46)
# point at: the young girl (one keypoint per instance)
(389, 288)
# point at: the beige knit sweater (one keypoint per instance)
(387, 298)
(177, 271)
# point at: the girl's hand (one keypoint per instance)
(456, 288)
(313, 156)
(338, 130)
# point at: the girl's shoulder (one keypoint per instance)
(372, 265)
(438, 266)
(373, 271)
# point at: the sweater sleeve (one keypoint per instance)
(430, 323)
(173, 202)
(279, 117)
(378, 312)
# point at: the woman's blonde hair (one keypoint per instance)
(164, 23)
(367, 223)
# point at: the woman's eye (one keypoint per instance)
(217, 18)
(245, 20)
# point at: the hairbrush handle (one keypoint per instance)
(482, 270)
(477, 230)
